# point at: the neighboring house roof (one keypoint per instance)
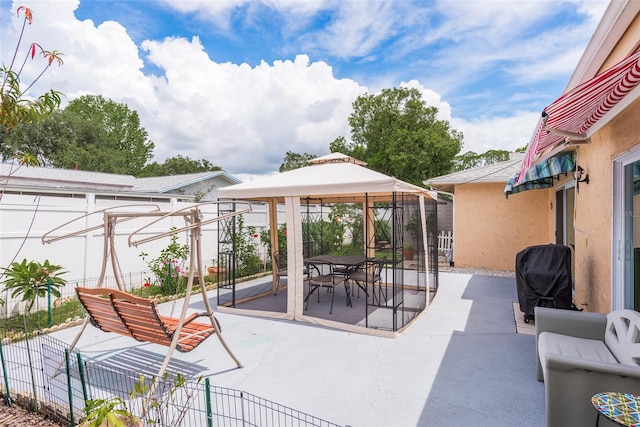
(13, 177)
(164, 184)
(495, 173)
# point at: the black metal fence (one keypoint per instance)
(42, 374)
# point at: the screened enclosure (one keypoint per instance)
(350, 248)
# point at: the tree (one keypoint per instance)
(295, 160)
(471, 159)
(397, 134)
(178, 165)
(42, 140)
(15, 107)
(91, 133)
(107, 137)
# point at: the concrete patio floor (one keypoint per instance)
(461, 362)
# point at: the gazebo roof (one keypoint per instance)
(331, 178)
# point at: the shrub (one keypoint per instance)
(33, 280)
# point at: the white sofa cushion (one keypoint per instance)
(581, 348)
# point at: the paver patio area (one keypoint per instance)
(460, 363)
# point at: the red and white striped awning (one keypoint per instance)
(575, 112)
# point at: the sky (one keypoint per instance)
(241, 82)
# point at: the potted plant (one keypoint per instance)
(216, 268)
(409, 253)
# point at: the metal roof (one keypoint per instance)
(18, 177)
(495, 173)
(163, 184)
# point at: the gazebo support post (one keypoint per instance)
(275, 244)
(295, 261)
(423, 216)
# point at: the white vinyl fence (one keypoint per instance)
(24, 219)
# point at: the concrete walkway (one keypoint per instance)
(460, 363)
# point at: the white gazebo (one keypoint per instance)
(335, 178)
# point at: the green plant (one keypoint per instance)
(414, 227)
(168, 266)
(246, 251)
(265, 239)
(15, 107)
(347, 218)
(113, 411)
(383, 232)
(165, 403)
(33, 280)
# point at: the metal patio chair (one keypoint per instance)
(328, 280)
(370, 274)
(280, 270)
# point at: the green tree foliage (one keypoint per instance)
(42, 140)
(295, 160)
(471, 159)
(91, 133)
(107, 137)
(397, 134)
(178, 165)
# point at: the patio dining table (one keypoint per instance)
(342, 264)
(337, 260)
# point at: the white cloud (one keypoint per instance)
(497, 133)
(485, 37)
(250, 117)
(357, 29)
(431, 98)
(245, 118)
(241, 118)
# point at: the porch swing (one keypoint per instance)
(115, 310)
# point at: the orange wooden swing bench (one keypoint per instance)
(112, 310)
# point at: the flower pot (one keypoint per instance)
(215, 271)
(408, 255)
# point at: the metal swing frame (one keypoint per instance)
(194, 217)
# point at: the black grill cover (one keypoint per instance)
(543, 271)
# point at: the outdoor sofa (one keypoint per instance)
(580, 354)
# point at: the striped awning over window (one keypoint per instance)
(575, 112)
(542, 174)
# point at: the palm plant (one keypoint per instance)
(32, 280)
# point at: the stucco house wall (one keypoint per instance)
(490, 230)
(594, 208)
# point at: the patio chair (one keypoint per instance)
(280, 270)
(343, 269)
(329, 280)
(370, 274)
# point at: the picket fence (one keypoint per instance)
(445, 241)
